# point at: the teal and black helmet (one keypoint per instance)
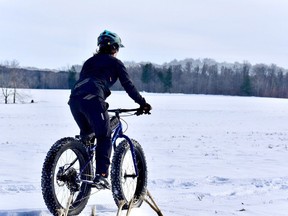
(108, 38)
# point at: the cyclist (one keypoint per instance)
(87, 99)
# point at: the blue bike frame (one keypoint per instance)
(117, 133)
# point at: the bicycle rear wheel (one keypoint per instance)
(60, 176)
(124, 186)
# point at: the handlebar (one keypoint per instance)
(119, 110)
(138, 111)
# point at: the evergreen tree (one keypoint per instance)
(246, 86)
(147, 73)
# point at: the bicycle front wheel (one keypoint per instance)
(125, 186)
(61, 177)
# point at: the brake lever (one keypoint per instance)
(141, 112)
(138, 112)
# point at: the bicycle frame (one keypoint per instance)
(117, 133)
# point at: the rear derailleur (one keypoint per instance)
(68, 177)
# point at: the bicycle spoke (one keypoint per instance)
(128, 182)
(66, 160)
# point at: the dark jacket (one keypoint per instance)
(99, 73)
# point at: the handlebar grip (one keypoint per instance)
(141, 112)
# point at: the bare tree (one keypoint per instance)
(6, 92)
(11, 82)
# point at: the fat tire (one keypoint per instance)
(49, 172)
(117, 176)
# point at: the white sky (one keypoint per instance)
(55, 34)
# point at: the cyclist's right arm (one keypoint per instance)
(129, 86)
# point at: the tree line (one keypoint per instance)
(187, 76)
(209, 77)
(14, 78)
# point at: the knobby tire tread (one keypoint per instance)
(47, 178)
(116, 174)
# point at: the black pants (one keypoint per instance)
(92, 116)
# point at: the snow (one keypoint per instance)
(206, 155)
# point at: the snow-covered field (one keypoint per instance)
(206, 155)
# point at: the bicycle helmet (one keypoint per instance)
(108, 38)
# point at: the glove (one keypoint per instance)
(144, 109)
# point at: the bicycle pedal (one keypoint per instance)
(100, 186)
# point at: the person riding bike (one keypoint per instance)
(87, 99)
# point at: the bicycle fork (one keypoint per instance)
(133, 154)
(119, 134)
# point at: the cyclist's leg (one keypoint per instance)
(103, 154)
(80, 117)
(96, 112)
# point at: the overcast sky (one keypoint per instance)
(56, 34)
